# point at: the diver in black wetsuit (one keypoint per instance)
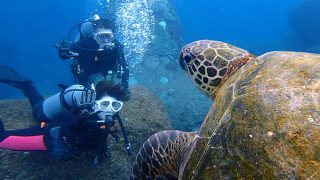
(68, 123)
(96, 54)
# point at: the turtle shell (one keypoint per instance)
(265, 122)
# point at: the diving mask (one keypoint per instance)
(108, 104)
(104, 38)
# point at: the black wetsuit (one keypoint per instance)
(62, 137)
(50, 138)
(91, 61)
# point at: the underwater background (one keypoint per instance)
(153, 32)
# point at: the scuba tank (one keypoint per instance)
(60, 106)
(87, 30)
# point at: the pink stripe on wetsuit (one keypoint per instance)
(24, 143)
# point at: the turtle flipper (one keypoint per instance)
(11, 77)
(159, 156)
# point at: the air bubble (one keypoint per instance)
(136, 24)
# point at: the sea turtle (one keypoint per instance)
(264, 123)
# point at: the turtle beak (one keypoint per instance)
(182, 62)
(185, 59)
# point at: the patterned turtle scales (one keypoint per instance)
(264, 124)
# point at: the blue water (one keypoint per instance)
(30, 29)
(28, 33)
(258, 26)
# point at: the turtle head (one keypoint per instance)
(210, 63)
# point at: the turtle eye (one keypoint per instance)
(187, 58)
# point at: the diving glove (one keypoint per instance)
(75, 102)
(85, 102)
(64, 49)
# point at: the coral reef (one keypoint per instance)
(143, 115)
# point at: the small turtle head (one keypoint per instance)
(209, 63)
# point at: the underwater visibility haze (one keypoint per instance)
(152, 33)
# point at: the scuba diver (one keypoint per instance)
(69, 123)
(96, 54)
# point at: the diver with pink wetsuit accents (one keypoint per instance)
(69, 123)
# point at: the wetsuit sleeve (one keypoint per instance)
(84, 46)
(124, 65)
(66, 49)
(74, 45)
(30, 139)
(63, 48)
(74, 48)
